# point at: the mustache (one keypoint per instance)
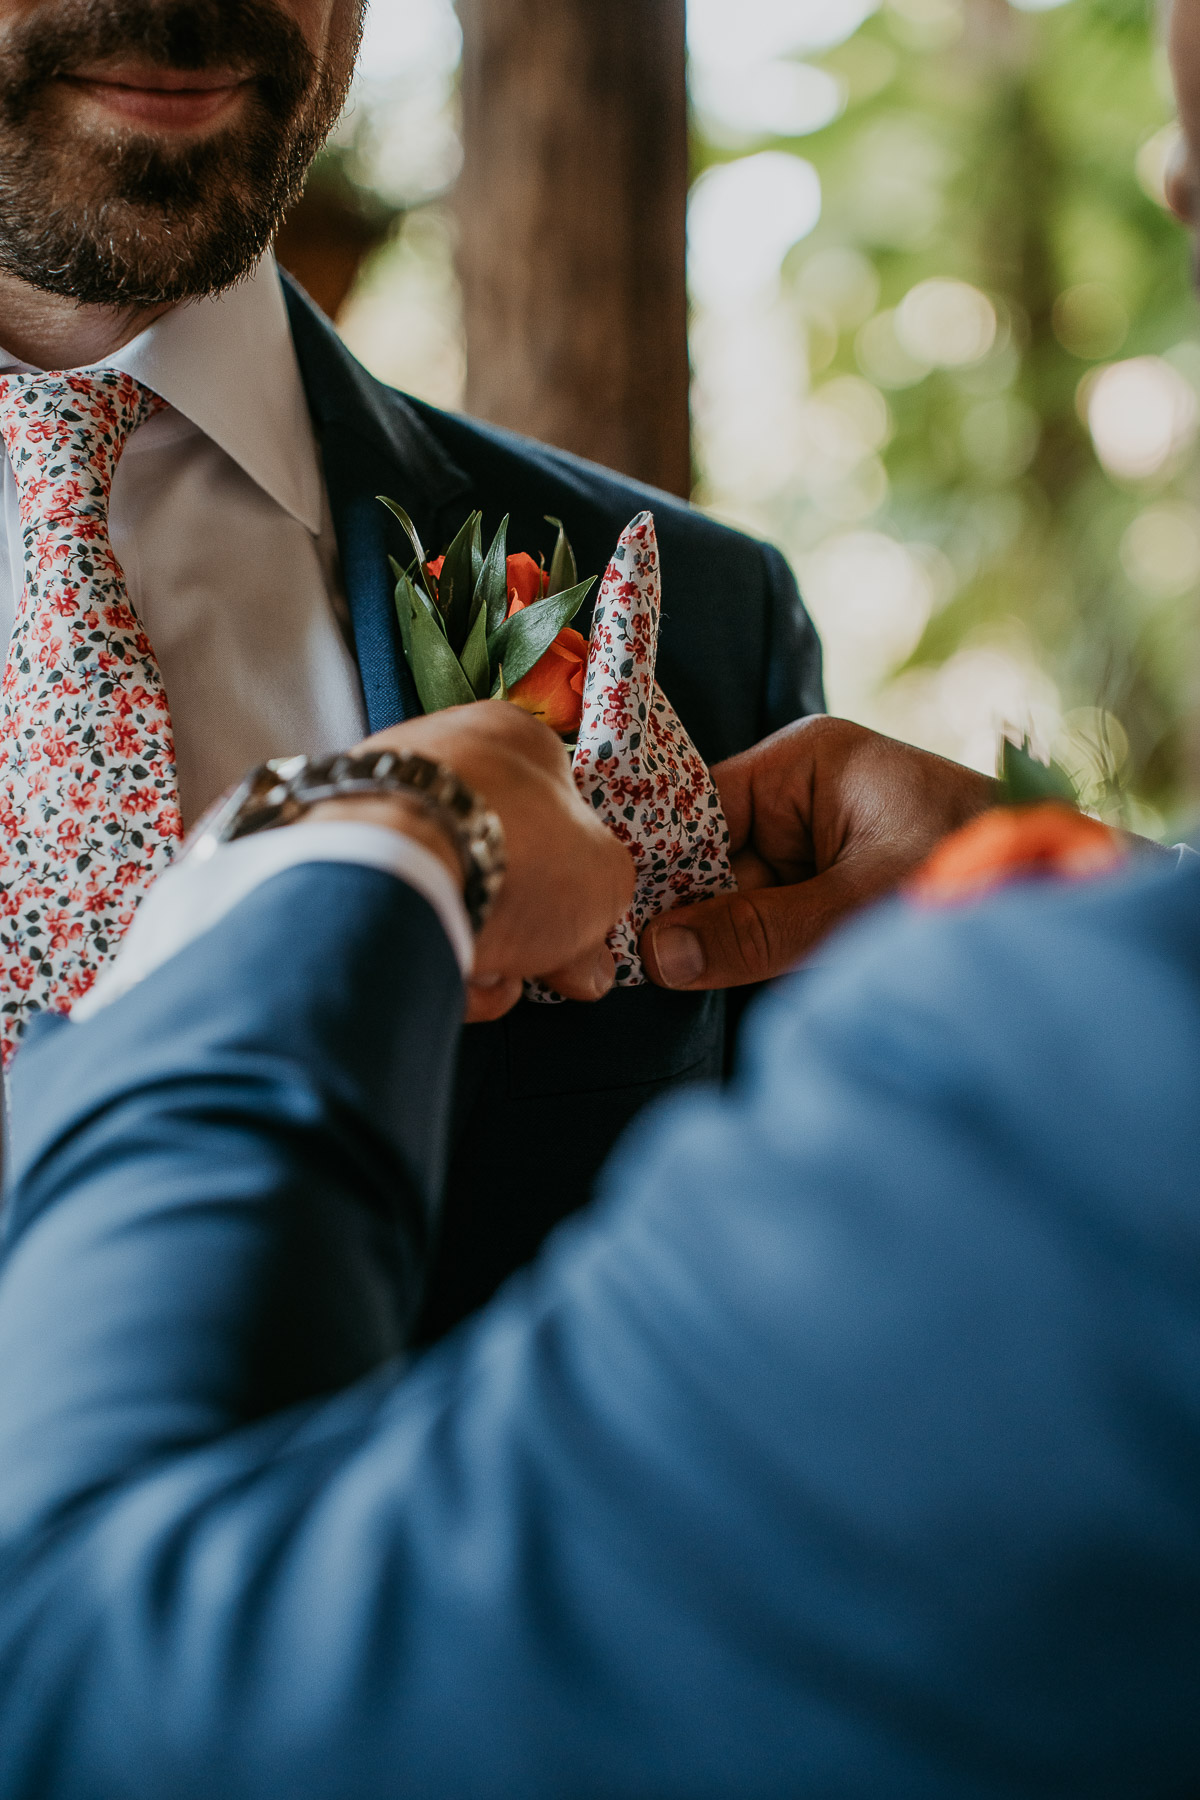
(254, 38)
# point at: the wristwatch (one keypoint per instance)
(282, 791)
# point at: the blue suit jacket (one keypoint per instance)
(738, 658)
(849, 1447)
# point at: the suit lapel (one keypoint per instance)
(372, 443)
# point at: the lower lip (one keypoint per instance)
(178, 109)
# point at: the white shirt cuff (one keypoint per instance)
(188, 900)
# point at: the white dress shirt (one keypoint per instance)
(195, 895)
(221, 523)
(220, 520)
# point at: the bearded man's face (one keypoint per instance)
(149, 148)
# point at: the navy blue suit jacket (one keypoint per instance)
(849, 1447)
(738, 658)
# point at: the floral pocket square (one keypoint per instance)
(635, 763)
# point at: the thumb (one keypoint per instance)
(745, 937)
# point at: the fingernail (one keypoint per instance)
(680, 956)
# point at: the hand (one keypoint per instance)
(824, 817)
(568, 879)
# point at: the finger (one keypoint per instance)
(491, 1000)
(746, 937)
(588, 977)
(773, 777)
(751, 871)
(734, 782)
(467, 738)
(554, 911)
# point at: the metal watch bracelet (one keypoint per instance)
(282, 791)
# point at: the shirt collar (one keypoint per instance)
(229, 366)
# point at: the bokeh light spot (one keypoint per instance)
(840, 285)
(774, 99)
(872, 598)
(1154, 159)
(883, 357)
(1141, 413)
(1160, 551)
(743, 218)
(947, 324)
(722, 35)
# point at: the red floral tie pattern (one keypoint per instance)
(89, 806)
(635, 763)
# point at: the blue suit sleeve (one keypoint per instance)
(847, 1448)
(223, 1186)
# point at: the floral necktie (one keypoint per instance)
(89, 805)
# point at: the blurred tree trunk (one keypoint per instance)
(573, 217)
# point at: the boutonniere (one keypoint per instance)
(1036, 831)
(495, 626)
(478, 626)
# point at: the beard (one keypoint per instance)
(113, 216)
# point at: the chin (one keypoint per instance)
(120, 251)
(112, 211)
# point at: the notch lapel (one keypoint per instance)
(371, 443)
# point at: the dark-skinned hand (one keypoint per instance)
(824, 818)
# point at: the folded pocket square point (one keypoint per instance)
(634, 761)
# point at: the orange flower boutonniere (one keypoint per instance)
(494, 626)
(1037, 832)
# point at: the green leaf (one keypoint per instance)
(524, 639)
(436, 670)
(492, 586)
(423, 603)
(1025, 781)
(477, 550)
(415, 609)
(500, 690)
(456, 584)
(404, 608)
(410, 532)
(476, 666)
(563, 571)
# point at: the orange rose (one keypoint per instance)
(527, 582)
(553, 689)
(1014, 843)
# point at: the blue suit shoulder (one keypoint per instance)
(1055, 1025)
(739, 655)
(501, 456)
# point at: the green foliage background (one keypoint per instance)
(1025, 130)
